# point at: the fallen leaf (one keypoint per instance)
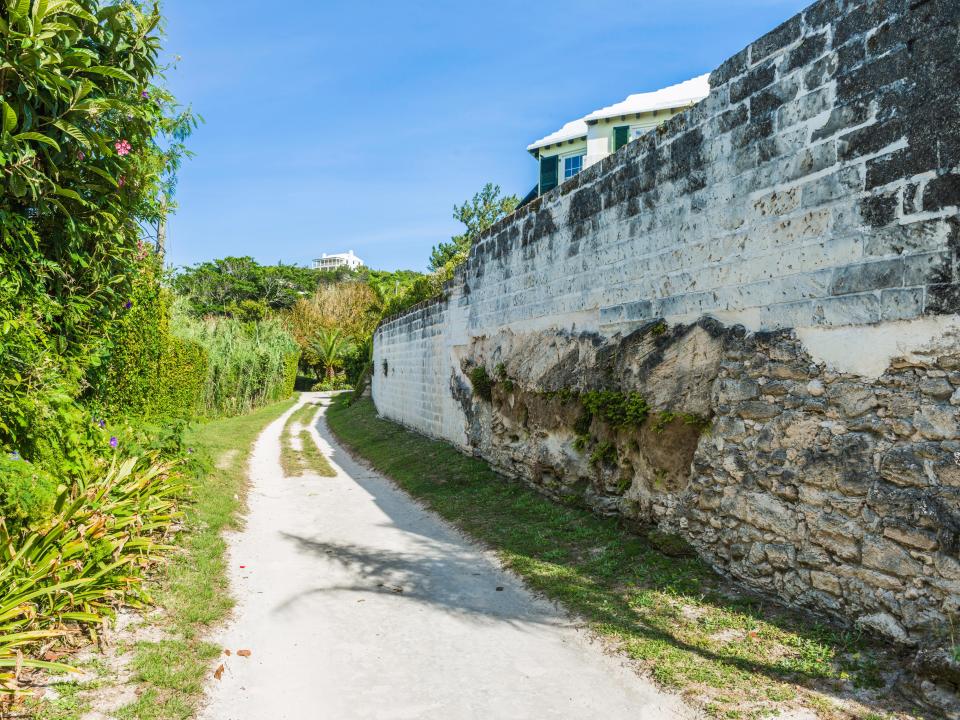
(227, 652)
(244, 653)
(218, 673)
(242, 567)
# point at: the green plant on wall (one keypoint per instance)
(505, 382)
(617, 409)
(605, 453)
(482, 384)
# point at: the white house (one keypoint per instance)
(337, 260)
(588, 140)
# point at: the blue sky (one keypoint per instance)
(333, 126)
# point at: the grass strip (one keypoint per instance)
(195, 593)
(724, 651)
(308, 457)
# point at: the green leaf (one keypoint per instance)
(72, 194)
(38, 137)
(19, 7)
(104, 174)
(17, 186)
(111, 72)
(73, 131)
(9, 118)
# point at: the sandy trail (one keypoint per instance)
(357, 603)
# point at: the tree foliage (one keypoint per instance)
(477, 214)
(242, 287)
(330, 348)
(227, 286)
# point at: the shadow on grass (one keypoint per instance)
(675, 615)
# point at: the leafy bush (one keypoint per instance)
(89, 148)
(249, 364)
(27, 493)
(338, 382)
(151, 373)
(85, 559)
(182, 379)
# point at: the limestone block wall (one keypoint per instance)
(779, 261)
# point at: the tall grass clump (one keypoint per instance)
(250, 364)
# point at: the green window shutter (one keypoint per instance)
(548, 173)
(621, 136)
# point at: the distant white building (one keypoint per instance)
(337, 260)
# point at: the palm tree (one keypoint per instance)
(330, 346)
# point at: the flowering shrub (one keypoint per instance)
(89, 145)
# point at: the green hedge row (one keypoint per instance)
(152, 373)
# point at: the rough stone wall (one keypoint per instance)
(781, 260)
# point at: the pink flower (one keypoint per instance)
(123, 147)
(122, 180)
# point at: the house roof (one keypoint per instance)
(685, 93)
(571, 131)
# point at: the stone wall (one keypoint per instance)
(779, 263)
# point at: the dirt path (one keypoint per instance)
(357, 603)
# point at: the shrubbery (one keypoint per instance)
(151, 372)
(89, 146)
(248, 364)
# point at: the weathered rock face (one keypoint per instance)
(783, 261)
(539, 426)
(826, 490)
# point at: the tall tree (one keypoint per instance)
(477, 214)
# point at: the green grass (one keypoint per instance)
(725, 652)
(195, 591)
(297, 461)
(72, 703)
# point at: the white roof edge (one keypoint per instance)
(571, 131)
(685, 93)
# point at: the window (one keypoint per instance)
(621, 136)
(572, 165)
(548, 173)
(638, 130)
